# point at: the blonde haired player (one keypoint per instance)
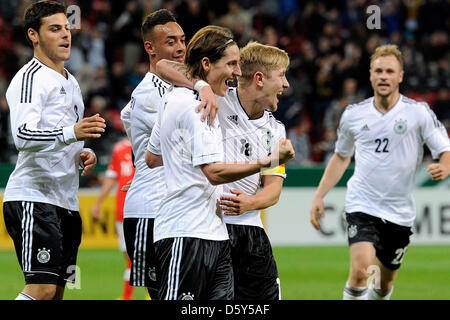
(386, 134)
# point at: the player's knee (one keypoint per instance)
(359, 275)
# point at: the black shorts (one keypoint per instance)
(194, 269)
(254, 267)
(389, 239)
(138, 234)
(46, 239)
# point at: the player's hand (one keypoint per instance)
(89, 161)
(90, 127)
(209, 104)
(317, 208)
(284, 150)
(126, 186)
(237, 205)
(96, 212)
(438, 171)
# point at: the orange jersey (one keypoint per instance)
(121, 168)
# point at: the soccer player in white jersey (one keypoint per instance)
(250, 131)
(386, 133)
(163, 39)
(191, 240)
(40, 202)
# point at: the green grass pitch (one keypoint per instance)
(312, 273)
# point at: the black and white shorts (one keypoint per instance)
(140, 249)
(389, 239)
(194, 269)
(46, 239)
(254, 267)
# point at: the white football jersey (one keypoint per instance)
(388, 149)
(139, 117)
(246, 139)
(44, 108)
(190, 207)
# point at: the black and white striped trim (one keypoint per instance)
(27, 82)
(140, 253)
(174, 269)
(38, 135)
(159, 85)
(27, 235)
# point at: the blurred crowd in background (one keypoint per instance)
(328, 42)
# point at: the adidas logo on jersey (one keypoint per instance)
(365, 128)
(233, 118)
(62, 91)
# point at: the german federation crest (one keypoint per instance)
(43, 255)
(400, 126)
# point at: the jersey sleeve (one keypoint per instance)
(345, 144)
(125, 116)
(26, 114)
(205, 141)
(434, 133)
(154, 143)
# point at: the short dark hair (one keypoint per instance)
(38, 10)
(210, 42)
(155, 18)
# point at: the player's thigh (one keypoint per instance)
(255, 270)
(71, 231)
(222, 286)
(188, 268)
(138, 234)
(393, 244)
(362, 255)
(35, 230)
(363, 235)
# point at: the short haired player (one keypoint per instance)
(386, 134)
(40, 201)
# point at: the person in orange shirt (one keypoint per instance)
(120, 171)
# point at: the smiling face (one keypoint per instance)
(223, 70)
(167, 42)
(53, 40)
(385, 76)
(274, 85)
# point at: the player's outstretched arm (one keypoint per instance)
(220, 173)
(175, 73)
(440, 170)
(333, 173)
(241, 203)
(90, 127)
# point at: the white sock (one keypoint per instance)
(126, 274)
(355, 293)
(24, 296)
(373, 294)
